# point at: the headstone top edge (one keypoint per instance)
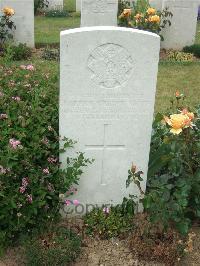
(107, 28)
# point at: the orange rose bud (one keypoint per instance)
(177, 94)
(133, 169)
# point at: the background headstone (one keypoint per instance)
(107, 91)
(23, 19)
(183, 29)
(99, 13)
(78, 5)
(157, 4)
(55, 5)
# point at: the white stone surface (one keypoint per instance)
(107, 91)
(156, 4)
(55, 5)
(99, 13)
(78, 5)
(183, 29)
(23, 19)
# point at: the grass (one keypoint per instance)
(177, 76)
(47, 30)
(70, 5)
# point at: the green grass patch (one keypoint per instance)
(70, 5)
(47, 30)
(177, 76)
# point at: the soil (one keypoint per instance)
(114, 252)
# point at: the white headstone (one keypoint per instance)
(107, 90)
(157, 4)
(55, 5)
(78, 5)
(99, 13)
(23, 19)
(183, 29)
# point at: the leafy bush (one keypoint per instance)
(40, 4)
(143, 17)
(173, 189)
(6, 24)
(59, 247)
(51, 54)
(193, 49)
(17, 52)
(180, 56)
(57, 13)
(30, 175)
(111, 221)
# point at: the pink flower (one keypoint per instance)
(52, 160)
(30, 67)
(67, 202)
(14, 143)
(1, 94)
(29, 198)
(75, 202)
(16, 98)
(46, 171)
(25, 181)
(3, 116)
(2, 170)
(22, 189)
(50, 187)
(106, 210)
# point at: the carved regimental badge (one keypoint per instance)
(110, 65)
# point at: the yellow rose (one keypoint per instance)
(151, 11)
(154, 19)
(8, 11)
(177, 122)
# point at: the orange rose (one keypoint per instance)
(8, 11)
(138, 16)
(190, 116)
(126, 13)
(151, 11)
(154, 19)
